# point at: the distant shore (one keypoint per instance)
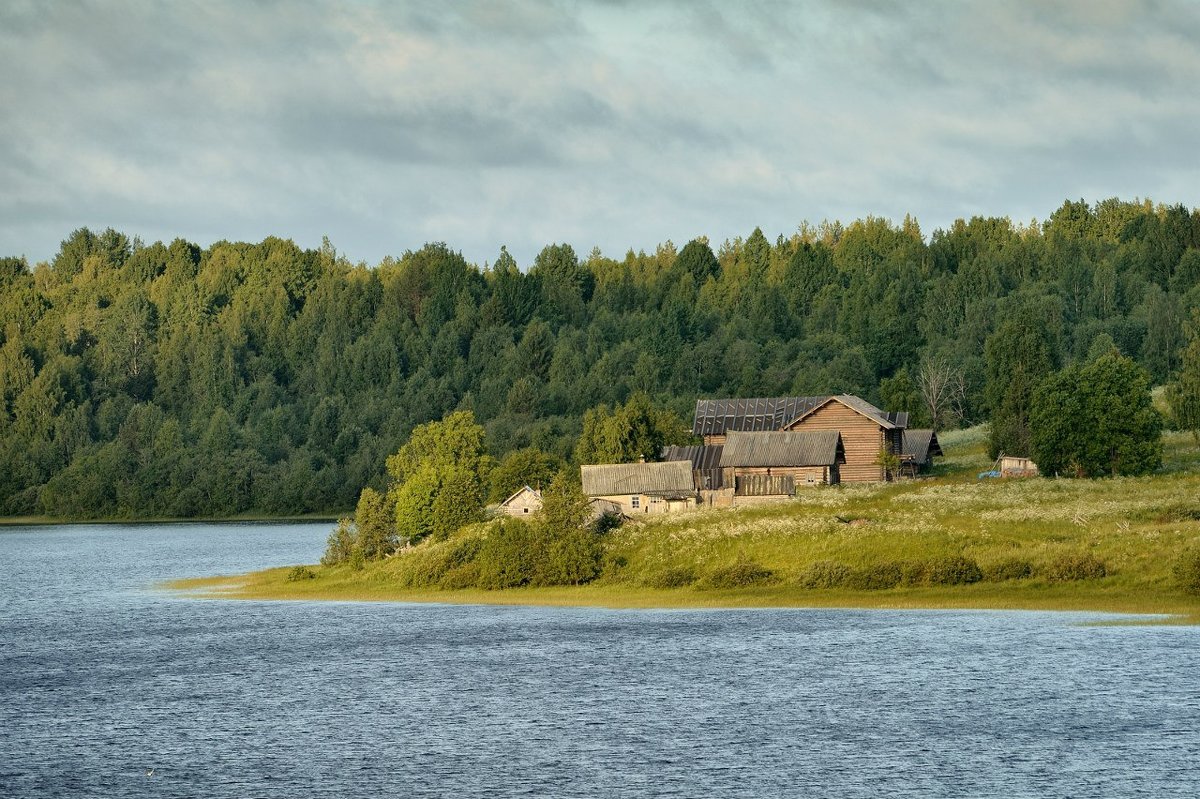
(38, 521)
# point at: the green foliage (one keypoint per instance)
(341, 544)
(1186, 571)
(1008, 569)
(298, 573)
(1019, 355)
(282, 378)
(1096, 419)
(1075, 566)
(511, 556)
(529, 466)
(743, 573)
(630, 432)
(826, 574)
(878, 576)
(953, 570)
(673, 577)
(1183, 393)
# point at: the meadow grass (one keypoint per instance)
(1135, 527)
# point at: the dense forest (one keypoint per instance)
(171, 380)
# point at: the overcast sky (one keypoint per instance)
(609, 124)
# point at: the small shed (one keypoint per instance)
(920, 448)
(524, 502)
(1017, 467)
(777, 463)
(640, 488)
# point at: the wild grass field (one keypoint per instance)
(949, 540)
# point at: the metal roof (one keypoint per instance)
(672, 478)
(784, 448)
(702, 456)
(716, 417)
(921, 445)
(888, 421)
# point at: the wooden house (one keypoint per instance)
(641, 488)
(778, 463)
(524, 502)
(920, 448)
(865, 430)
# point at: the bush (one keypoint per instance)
(826, 574)
(742, 573)
(340, 545)
(1008, 569)
(298, 573)
(674, 577)
(1076, 566)
(607, 522)
(509, 555)
(460, 577)
(914, 572)
(877, 576)
(953, 570)
(1187, 571)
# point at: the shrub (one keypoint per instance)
(674, 577)
(877, 576)
(1008, 569)
(460, 577)
(914, 572)
(607, 522)
(509, 555)
(953, 570)
(1076, 566)
(298, 573)
(1187, 571)
(826, 574)
(340, 545)
(742, 573)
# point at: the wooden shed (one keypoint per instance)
(640, 488)
(777, 463)
(920, 448)
(524, 502)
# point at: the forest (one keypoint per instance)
(169, 380)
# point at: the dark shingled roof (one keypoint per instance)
(921, 445)
(670, 479)
(785, 448)
(717, 417)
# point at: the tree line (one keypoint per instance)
(178, 381)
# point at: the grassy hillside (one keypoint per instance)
(1037, 543)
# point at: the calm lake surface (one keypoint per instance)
(103, 678)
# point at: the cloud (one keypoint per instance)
(613, 124)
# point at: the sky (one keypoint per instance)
(617, 125)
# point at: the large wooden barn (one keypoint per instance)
(865, 430)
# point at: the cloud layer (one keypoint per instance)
(611, 124)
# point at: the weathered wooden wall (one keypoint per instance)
(861, 437)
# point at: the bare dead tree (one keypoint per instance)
(943, 389)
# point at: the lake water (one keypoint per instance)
(104, 678)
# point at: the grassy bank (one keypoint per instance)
(1107, 545)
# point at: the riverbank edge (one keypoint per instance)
(273, 585)
(46, 521)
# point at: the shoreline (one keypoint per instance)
(272, 585)
(48, 521)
